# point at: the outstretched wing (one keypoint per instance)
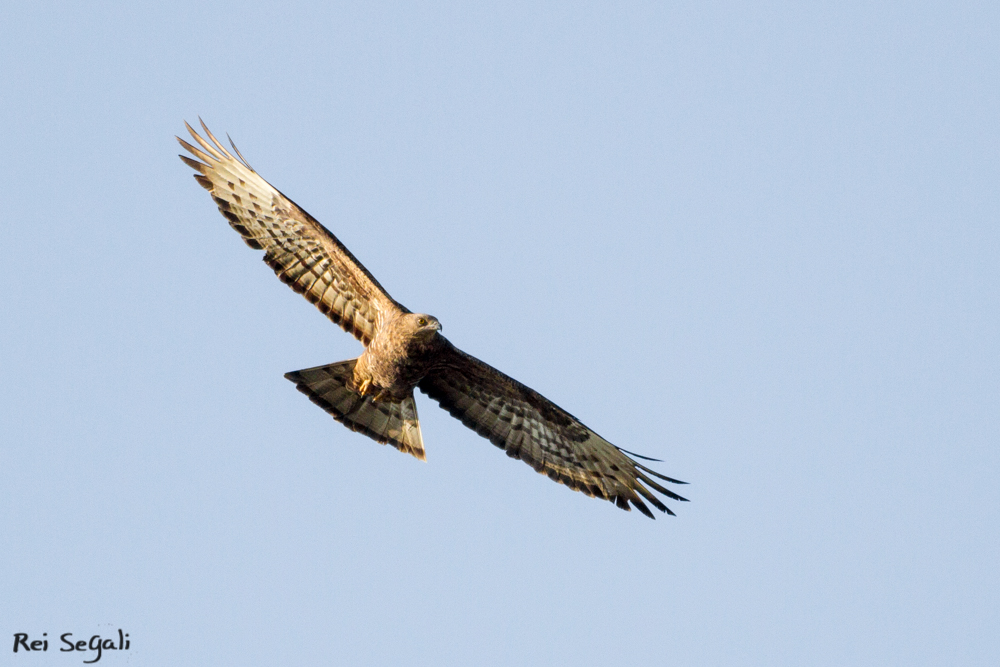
(303, 253)
(530, 427)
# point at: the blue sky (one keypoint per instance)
(757, 242)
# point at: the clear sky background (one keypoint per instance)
(758, 241)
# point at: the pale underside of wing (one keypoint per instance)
(532, 428)
(302, 252)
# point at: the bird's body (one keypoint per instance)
(400, 355)
(373, 394)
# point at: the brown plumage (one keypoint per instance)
(373, 394)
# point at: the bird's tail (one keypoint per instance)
(384, 421)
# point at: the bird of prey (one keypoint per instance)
(373, 394)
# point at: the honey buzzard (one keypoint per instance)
(373, 394)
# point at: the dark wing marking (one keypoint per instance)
(303, 253)
(530, 427)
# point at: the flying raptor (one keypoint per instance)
(373, 394)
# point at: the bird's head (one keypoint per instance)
(424, 326)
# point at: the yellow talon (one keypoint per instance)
(363, 389)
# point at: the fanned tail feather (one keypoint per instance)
(383, 421)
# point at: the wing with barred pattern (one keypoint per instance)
(532, 428)
(303, 253)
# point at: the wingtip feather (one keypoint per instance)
(641, 506)
(215, 141)
(204, 143)
(194, 164)
(653, 472)
(238, 153)
(647, 458)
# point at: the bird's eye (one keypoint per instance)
(422, 321)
